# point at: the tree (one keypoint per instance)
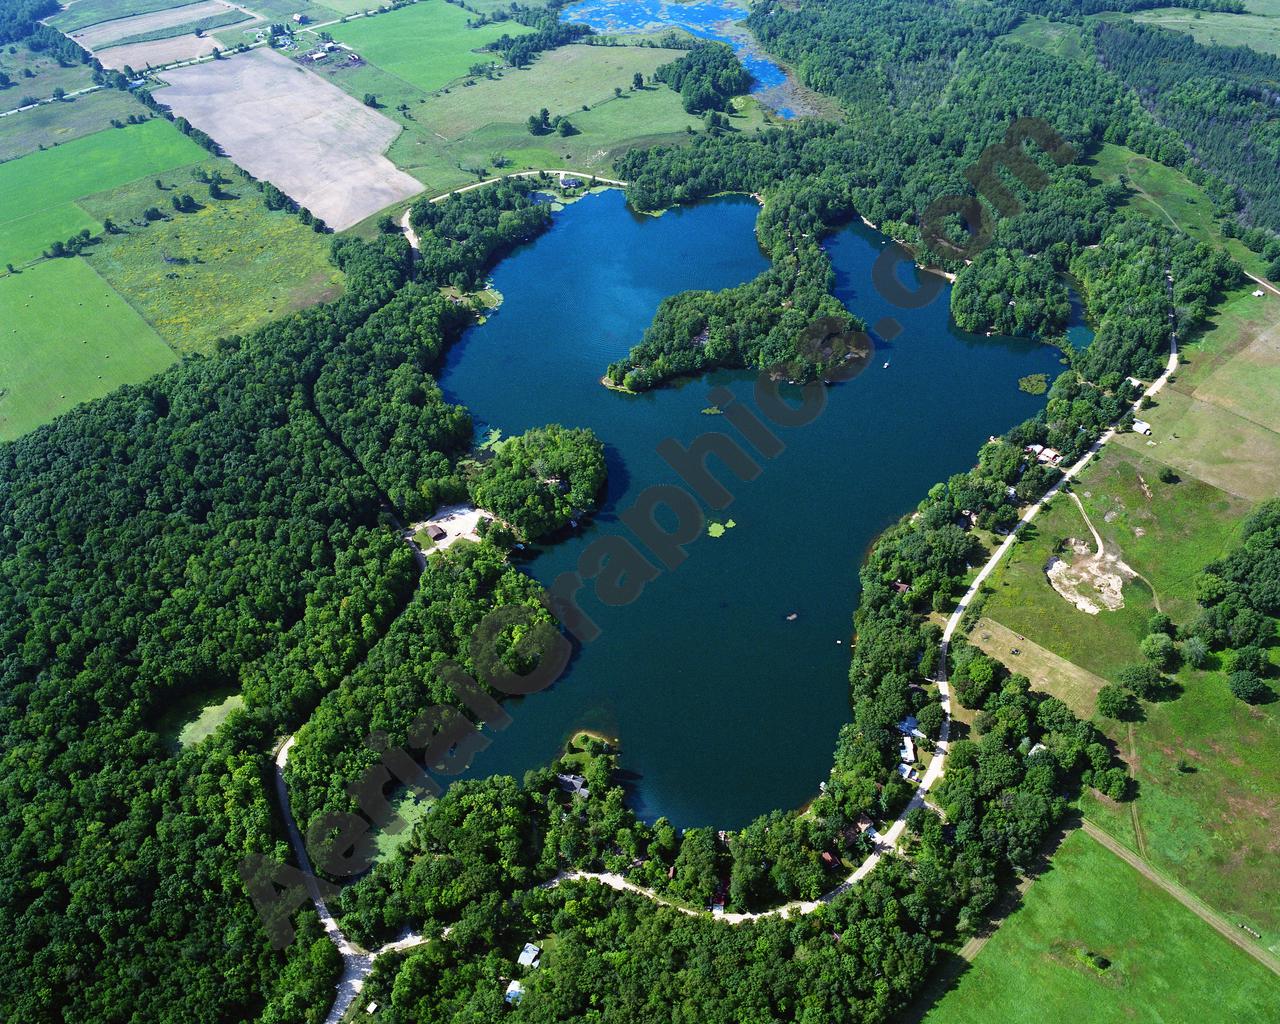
(1116, 702)
(370, 99)
(1167, 475)
(1143, 680)
(1159, 649)
(1248, 687)
(637, 82)
(565, 127)
(1195, 651)
(617, 92)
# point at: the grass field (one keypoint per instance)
(47, 75)
(1074, 686)
(238, 265)
(48, 364)
(1168, 196)
(452, 133)
(40, 188)
(84, 13)
(52, 124)
(1257, 31)
(428, 44)
(1215, 828)
(1053, 37)
(1165, 965)
(207, 722)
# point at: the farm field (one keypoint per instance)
(1169, 196)
(454, 133)
(84, 13)
(234, 264)
(1071, 684)
(52, 124)
(290, 127)
(174, 21)
(40, 188)
(427, 44)
(157, 51)
(1257, 31)
(48, 364)
(1162, 962)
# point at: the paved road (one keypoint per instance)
(1210, 917)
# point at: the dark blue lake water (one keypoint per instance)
(707, 19)
(724, 709)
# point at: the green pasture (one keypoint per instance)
(66, 337)
(84, 13)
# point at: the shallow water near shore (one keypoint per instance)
(725, 708)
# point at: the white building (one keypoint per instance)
(1141, 427)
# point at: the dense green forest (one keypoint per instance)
(1221, 99)
(706, 78)
(233, 523)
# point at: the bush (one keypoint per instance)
(1248, 687)
(1159, 649)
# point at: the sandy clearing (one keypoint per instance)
(459, 522)
(289, 126)
(99, 36)
(157, 52)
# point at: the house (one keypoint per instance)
(570, 182)
(1141, 427)
(1133, 381)
(529, 956)
(908, 752)
(1036, 749)
(575, 785)
(437, 532)
(514, 993)
(900, 587)
(371, 1008)
(908, 773)
(910, 727)
(299, 19)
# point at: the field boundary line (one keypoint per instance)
(1192, 902)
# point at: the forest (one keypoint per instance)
(706, 77)
(233, 522)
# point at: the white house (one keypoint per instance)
(1257, 293)
(514, 993)
(908, 751)
(1141, 427)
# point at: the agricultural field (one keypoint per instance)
(157, 52)
(1094, 942)
(1258, 31)
(84, 13)
(1074, 686)
(48, 364)
(288, 126)
(427, 44)
(1169, 196)
(454, 133)
(40, 189)
(52, 124)
(224, 269)
(157, 24)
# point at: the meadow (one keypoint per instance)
(1169, 196)
(52, 124)
(67, 337)
(1053, 37)
(427, 44)
(40, 189)
(224, 269)
(46, 75)
(1162, 963)
(1258, 31)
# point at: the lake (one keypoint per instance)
(707, 19)
(724, 709)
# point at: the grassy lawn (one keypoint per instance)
(50, 364)
(52, 124)
(238, 265)
(1170, 197)
(40, 188)
(428, 44)
(1165, 965)
(84, 13)
(1258, 31)
(207, 722)
(1216, 827)
(1071, 684)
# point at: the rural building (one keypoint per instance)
(514, 993)
(908, 773)
(828, 861)
(1141, 427)
(910, 727)
(299, 19)
(900, 587)
(575, 785)
(371, 1008)
(529, 956)
(908, 750)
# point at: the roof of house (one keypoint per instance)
(529, 955)
(514, 993)
(574, 784)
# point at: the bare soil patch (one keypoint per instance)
(157, 51)
(288, 126)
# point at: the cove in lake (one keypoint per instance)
(724, 709)
(707, 19)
